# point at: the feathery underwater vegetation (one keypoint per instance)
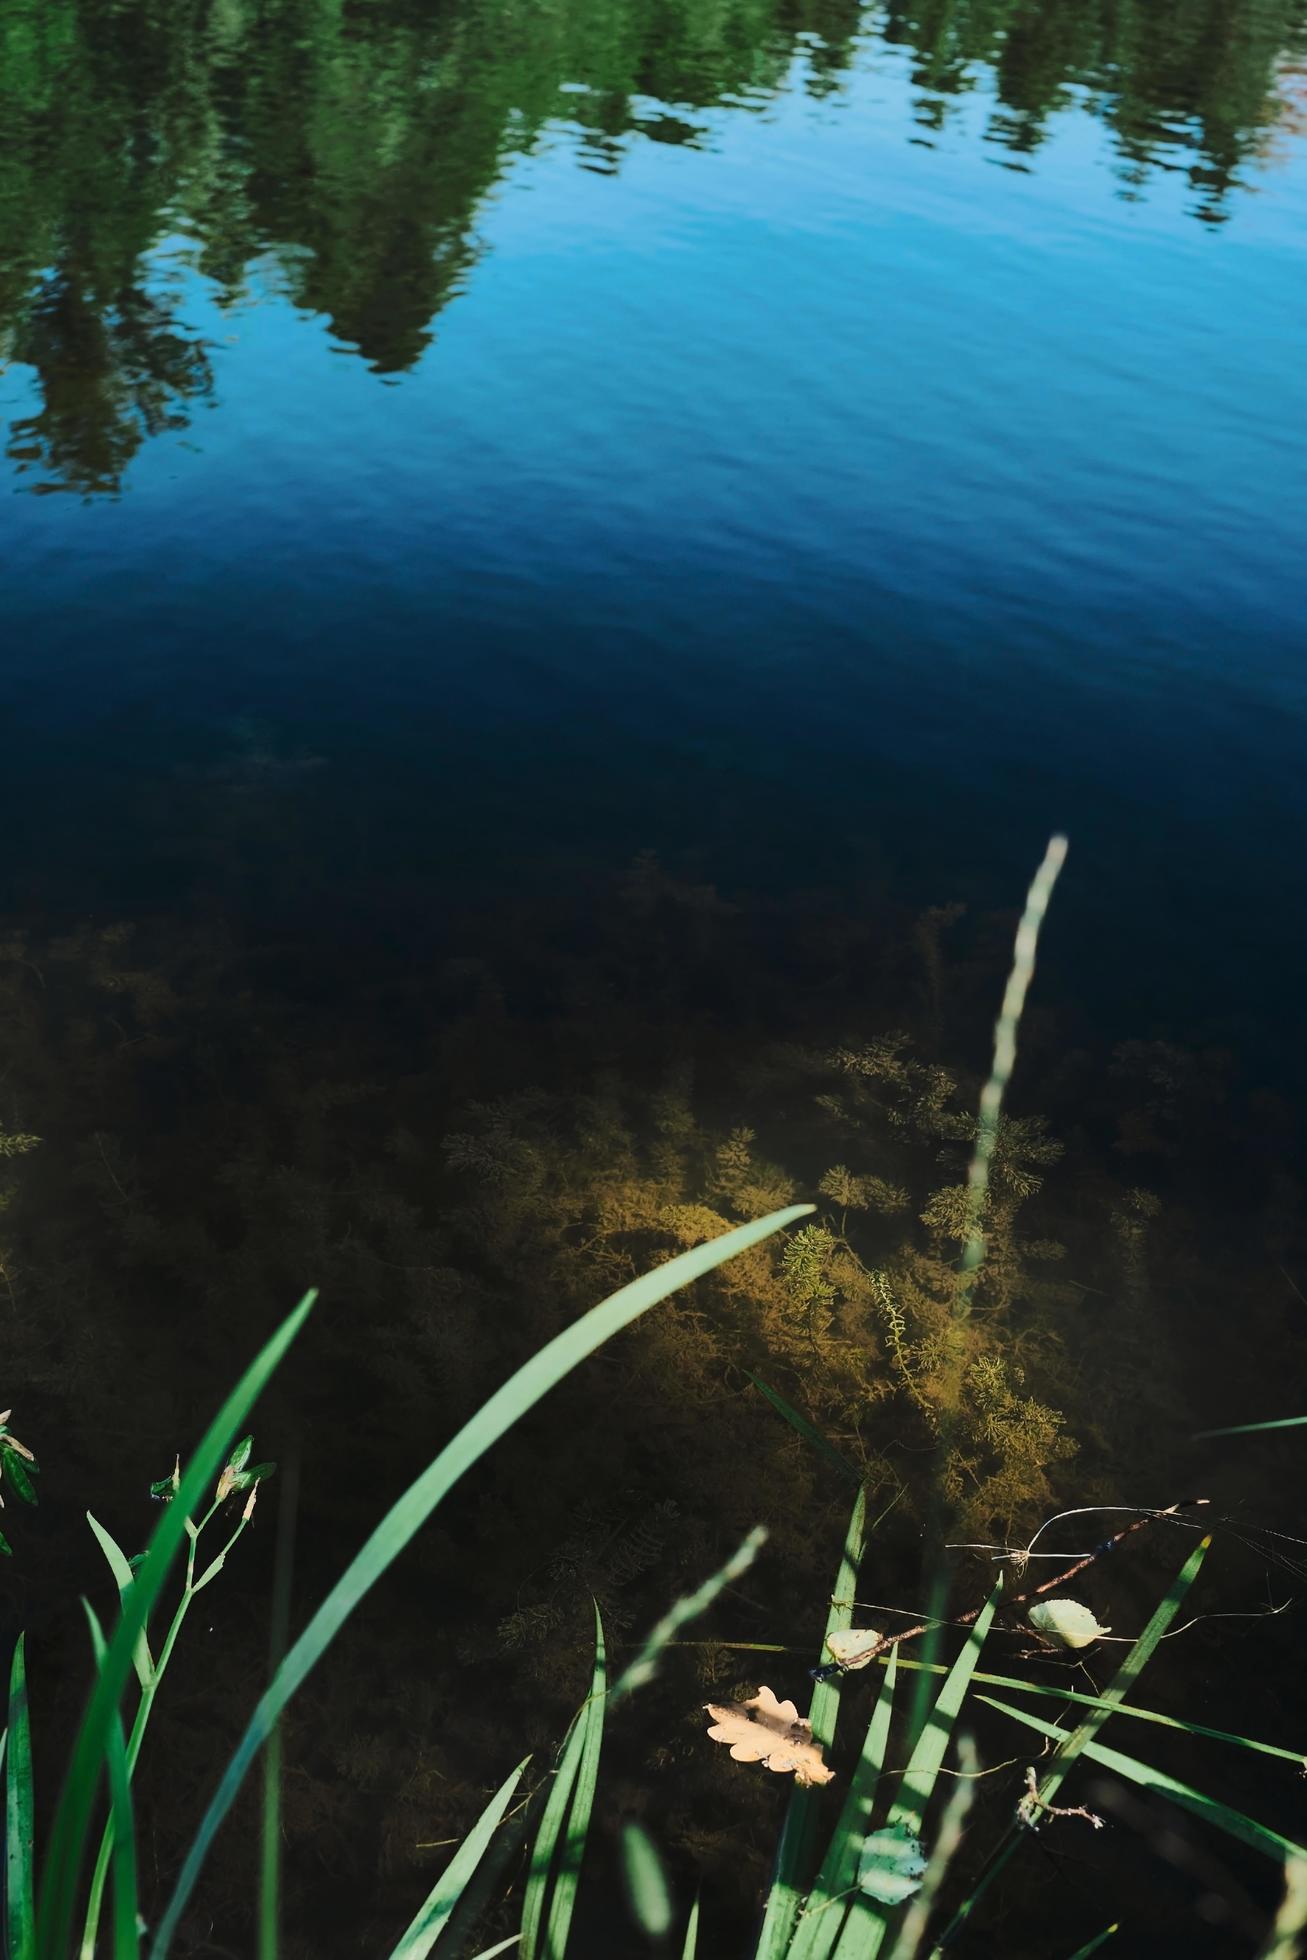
(869, 1860)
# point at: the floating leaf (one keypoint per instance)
(892, 1864)
(854, 1647)
(770, 1732)
(1067, 1622)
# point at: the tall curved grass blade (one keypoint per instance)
(1234, 1822)
(60, 1872)
(1099, 1939)
(796, 1852)
(804, 1428)
(691, 1947)
(642, 1668)
(20, 1824)
(407, 1516)
(1078, 1700)
(1284, 1941)
(1074, 1744)
(1005, 1051)
(142, 1658)
(126, 1935)
(826, 1907)
(433, 1914)
(1252, 1428)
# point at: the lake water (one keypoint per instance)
(450, 452)
(805, 442)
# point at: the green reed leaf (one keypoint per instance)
(1234, 1822)
(796, 1852)
(20, 1824)
(433, 1915)
(59, 1877)
(407, 1516)
(120, 1566)
(122, 1821)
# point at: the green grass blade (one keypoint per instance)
(278, 1630)
(1074, 1697)
(433, 1914)
(553, 1823)
(869, 1920)
(643, 1667)
(407, 1516)
(806, 1429)
(1253, 1428)
(572, 1851)
(1137, 1658)
(691, 1947)
(826, 1907)
(59, 1877)
(912, 1932)
(1284, 1941)
(796, 1852)
(646, 1882)
(20, 1826)
(270, 1850)
(502, 1946)
(923, 1769)
(126, 1937)
(556, 1844)
(1234, 1822)
(1099, 1939)
(1075, 1743)
(122, 1572)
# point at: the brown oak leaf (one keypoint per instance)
(770, 1732)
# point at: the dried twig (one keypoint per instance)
(1032, 1804)
(888, 1640)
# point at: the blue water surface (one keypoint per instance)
(829, 492)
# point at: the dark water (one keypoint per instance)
(795, 437)
(454, 450)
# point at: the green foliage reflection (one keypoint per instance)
(346, 149)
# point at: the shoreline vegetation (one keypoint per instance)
(878, 1848)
